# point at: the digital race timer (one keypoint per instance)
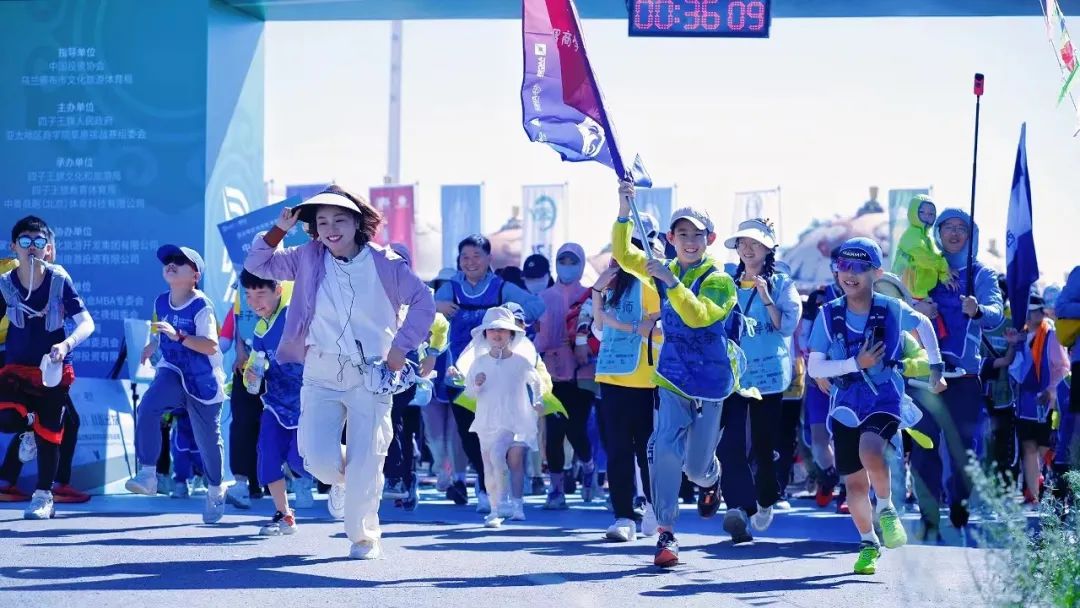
(706, 18)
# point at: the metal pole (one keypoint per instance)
(393, 153)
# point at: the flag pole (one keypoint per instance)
(974, 170)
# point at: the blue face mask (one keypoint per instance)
(569, 273)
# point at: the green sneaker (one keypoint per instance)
(868, 555)
(892, 529)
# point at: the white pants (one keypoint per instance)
(329, 398)
(494, 448)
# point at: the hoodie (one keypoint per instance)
(552, 339)
(961, 346)
(918, 261)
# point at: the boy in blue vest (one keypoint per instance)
(857, 343)
(694, 372)
(189, 376)
(281, 403)
(37, 298)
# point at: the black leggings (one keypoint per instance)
(785, 441)
(406, 421)
(12, 466)
(626, 416)
(247, 412)
(577, 402)
(469, 441)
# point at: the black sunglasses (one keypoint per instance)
(39, 242)
(179, 260)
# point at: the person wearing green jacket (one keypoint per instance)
(917, 260)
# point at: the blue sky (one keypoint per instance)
(825, 108)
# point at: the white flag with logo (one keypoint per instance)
(763, 204)
(544, 223)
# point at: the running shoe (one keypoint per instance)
(892, 529)
(458, 493)
(493, 520)
(366, 551)
(868, 556)
(27, 447)
(395, 488)
(483, 503)
(649, 525)
(737, 524)
(41, 506)
(667, 550)
(762, 519)
(64, 493)
(145, 482)
(13, 494)
(708, 501)
(215, 505)
(180, 490)
(239, 495)
(537, 486)
(623, 531)
(556, 501)
(518, 512)
(335, 501)
(959, 515)
(282, 525)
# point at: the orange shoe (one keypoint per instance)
(64, 493)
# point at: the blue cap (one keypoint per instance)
(167, 251)
(861, 249)
(516, 310)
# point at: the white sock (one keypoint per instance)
(882, 504)
(870, 537)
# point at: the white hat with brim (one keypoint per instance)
(752, 229)
(498, 318)
(306, 209)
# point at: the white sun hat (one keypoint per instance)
(753, 229)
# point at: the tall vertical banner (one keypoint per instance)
(544, 226)
(397, 205)
(462, 207)
(657, 202)
(898, 216)
(764, 204)
(1022, 268)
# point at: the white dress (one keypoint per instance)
(502, 403)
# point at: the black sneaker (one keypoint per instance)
(458, 493)
(667, 550)
(709, 500)
(569, 482)
(958, 515)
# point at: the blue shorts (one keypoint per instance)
(277, 446)
(816, 403)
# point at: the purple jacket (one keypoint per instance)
(304, 266)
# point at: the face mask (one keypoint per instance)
(569, 274)
(535, 286)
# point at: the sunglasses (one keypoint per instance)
(39, 242)
(179, 260)
(855, 266)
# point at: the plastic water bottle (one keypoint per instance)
(258, 366)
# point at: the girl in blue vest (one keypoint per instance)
(464, 300)
(278, 385)
(694, 371)
(768, 313)
(1038, 369)
(857, 343)
(189, 375)
(629, 347)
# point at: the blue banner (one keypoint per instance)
(1022, 268)
(237, 234)
(657, 202)
(462, 207)
(102, 135)
(304, 191)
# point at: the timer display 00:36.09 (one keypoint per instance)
(715, 18)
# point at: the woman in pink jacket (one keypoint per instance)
(356, 310)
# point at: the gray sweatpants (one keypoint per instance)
(167, 393)
(682, 441)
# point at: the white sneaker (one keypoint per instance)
(41, 506)
(762, 519)
(623, 531)
(144, 482)
(649, 524)
(180, 490)
(506, 508)
(366, 551)
(215, 505)
(27, 447)
(483, 504)
(492, 520)
(283, 524)
(238, 494)
(302, 489)
(335, 503)
(782, 505)
(518, 511)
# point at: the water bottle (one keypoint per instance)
(258, 366)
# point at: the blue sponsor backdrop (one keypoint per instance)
(461, 209)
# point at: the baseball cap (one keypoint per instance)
(167, 251)
(861, 249)
(536, 267)
(698, 217)
(753, 229)
(516, 310)
(1036, 303)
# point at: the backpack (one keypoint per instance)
(574, 329)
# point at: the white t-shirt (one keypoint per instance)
(366, 315)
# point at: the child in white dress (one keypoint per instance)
(503, 379)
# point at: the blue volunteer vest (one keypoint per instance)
(283, 380)
(852, 399)
(695, 360)
(620, 351)
(957, 342)
(768, 353)
(470, 313)
(1027, 399)
(195, 369)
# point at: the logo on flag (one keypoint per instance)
(1022, 267)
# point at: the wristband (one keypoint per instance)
(581, 340)
(595, 290)
(623, 220)
(180, 337)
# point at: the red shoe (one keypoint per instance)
(64, 493)
(824, 496)
(842, 509)
(13, 494)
